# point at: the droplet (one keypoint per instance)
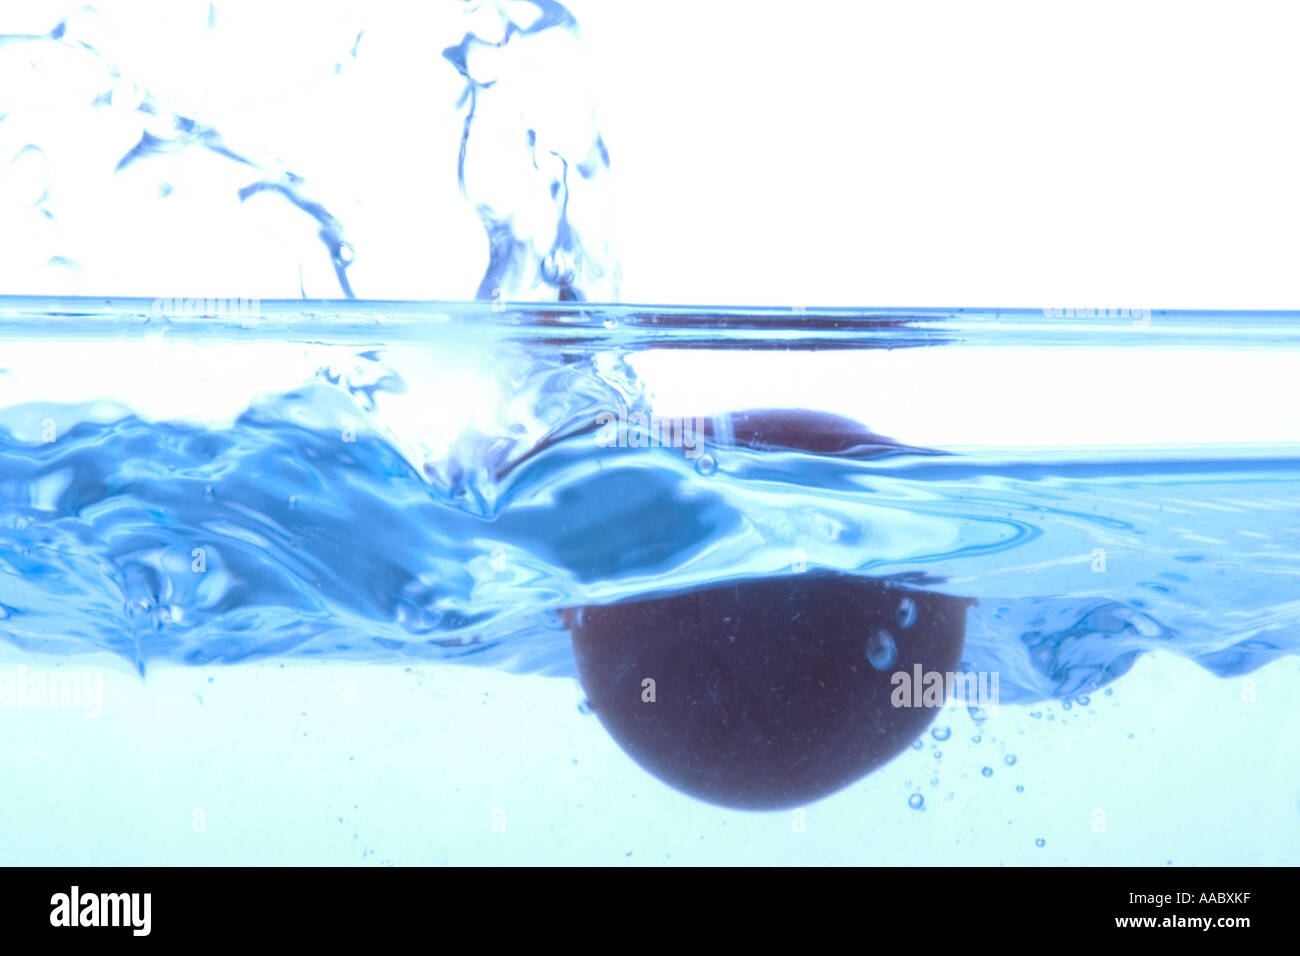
(941, 733)
(906, 613)
(882, 652)
(987, 771)
(1040, 842)
(705, 465)
(916, 801)
(1009, 760)
(916, 744)
(1020, 788)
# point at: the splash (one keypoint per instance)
(538, 176)
(346, 513)
(73, 47)
(531, 161)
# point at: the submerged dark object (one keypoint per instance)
(763, 692)
(768, 692)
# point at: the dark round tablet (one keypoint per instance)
(769, 692)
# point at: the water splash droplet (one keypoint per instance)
(882, 652)
(987, 771)
(916, 801)
(1009, 760)
(941, 733)
(706, 465)
(1040, 842)
(906, 613)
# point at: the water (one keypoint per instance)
(328, 520)
(255, 179)
(188, 483)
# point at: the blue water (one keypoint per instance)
(307, 527)
(308, 515)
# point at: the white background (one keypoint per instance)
(1130, 154)
(830, 152)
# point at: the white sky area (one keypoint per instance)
(883, 154)
(844, 153)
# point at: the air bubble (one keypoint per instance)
(941, 733)
(1040, 842)
(906, 613)
(1009, 760)
(987, 771)
(916, 801)
(882, 652)
(705, 465)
